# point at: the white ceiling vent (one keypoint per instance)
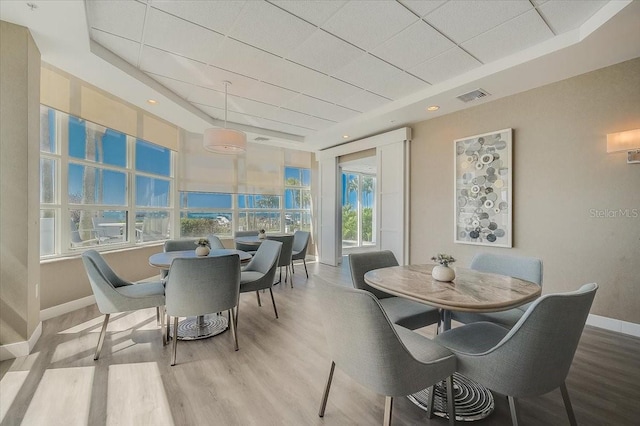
(473, 95)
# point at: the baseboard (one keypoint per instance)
(65, 308)
(623, 327)
(18, 349)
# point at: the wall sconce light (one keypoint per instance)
(625, 141)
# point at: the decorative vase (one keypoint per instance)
(443, 273)
(262, 235)
(202, 251)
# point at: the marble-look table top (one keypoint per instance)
(470, 291)
(163, 260)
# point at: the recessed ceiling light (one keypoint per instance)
(152, 101)
(345, 136)
(433, 108)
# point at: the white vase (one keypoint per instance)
(262, 236)
(202, 251)
(443, 273)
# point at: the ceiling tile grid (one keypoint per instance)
(126, 20)
(368, 72)
(365, 101)
(324, 52)
(422, 7)
(319, 108)
(565, 16)
(218, 15)
(122, 47)
(449, 64)
(316, 12)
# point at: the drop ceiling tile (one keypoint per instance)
(318, 108)
(216, 15)
(267, 27)
(449, 64)
(422, 7)
(399, 86)
(248, 106)
(520, 33)
(365, 101)
(462, 20)
(122, 47)
(566, 16)
(208, 97)
(368, 24)
(413, 45)
(244, 59)
(316, 12)
(185, 38)
(126, 20)
(367, 72)
(287, 128)
(173, 66)
(265, 92)
(539, 2)
(180, 88)
(300, 120)
(324, 52)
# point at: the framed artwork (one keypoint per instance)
(483, 189)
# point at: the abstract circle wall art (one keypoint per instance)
(483, 189)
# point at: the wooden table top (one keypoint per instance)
(470, 291)
(163, 260)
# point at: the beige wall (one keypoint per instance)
(19, 195)
(561, 172)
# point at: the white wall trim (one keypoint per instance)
(18, 349)
(65, 308)
(393, 136)
(620, 326)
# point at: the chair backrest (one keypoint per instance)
(215, 242)
(301, 242)
(361, 263)
(105, 269)
(266, 258)
(287, 248)
(107, 298)
(75, 234)
(524, 268)
(247, 233)
(535, 356)
(180, 244)
(199, 286)
(364, 344)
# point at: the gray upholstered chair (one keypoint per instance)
(260, 272)
(299, 249)
(180, 244)
(386, 358)
(113, 294)
(214, 242)
(401, 311)
(246, 247)
(200, 286)
(525, 268)
(285, 255)
(532, 358)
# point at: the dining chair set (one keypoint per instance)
(523, 352)
(191, 287)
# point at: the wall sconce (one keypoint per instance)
(625, 141)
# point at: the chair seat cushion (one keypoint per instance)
(297, 255)
(247, 277)
(409, 314)
(421, 348)
(472, 339)
(143, 295)
(504, 318)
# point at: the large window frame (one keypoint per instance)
(60, 209)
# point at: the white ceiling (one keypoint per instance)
(305, 73)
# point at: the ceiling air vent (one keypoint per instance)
(473, 95)
(261, 139)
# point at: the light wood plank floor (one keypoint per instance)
(276, 378)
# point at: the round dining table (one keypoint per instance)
(254, 240)
(470, 291)
(202, 326)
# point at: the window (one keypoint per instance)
(358, 209)
(297, 195)
(204, 213)
(92, 190)
(257, 212)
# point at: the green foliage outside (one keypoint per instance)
(350, 223)
(201, 227)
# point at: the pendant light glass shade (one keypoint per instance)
(223, 140)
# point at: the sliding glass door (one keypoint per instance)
(358, 210)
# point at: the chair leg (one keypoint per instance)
(157, 315)
(512, 408)
(293, 269)
(305, 267)
(325, 396)
(168, 326)
(162, 325)
(175, 341)
(101, 338)
(567, 404)
(274, 303)
(388, 410)
(291, 277)
(286, 274)
(451, 403)
(432, 394)
(234, 331)
(258, 295)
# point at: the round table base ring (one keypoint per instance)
(473, 401)
(210, 325)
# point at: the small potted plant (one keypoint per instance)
(204, 247)
(442, 272)
(262, 234)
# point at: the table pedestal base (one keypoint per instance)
(202, 327)
(472, 401)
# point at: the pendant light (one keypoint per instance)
(223, 140)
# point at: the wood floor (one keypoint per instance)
(276, 378)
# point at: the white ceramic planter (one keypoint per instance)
(443, 273)
(202, 251)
